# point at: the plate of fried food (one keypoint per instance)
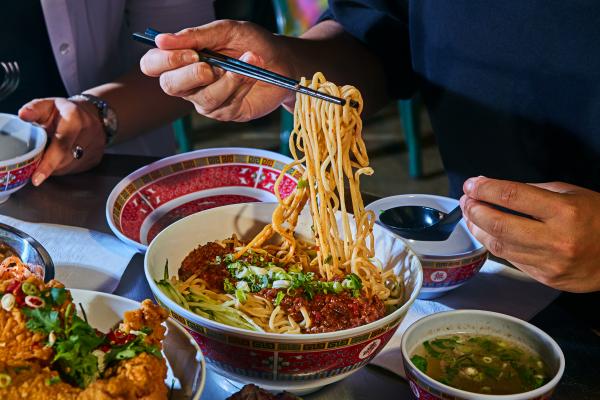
(58, 343)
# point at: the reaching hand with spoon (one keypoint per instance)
(559, 246)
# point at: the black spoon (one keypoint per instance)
(421, 223)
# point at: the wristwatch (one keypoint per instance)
(107, 114)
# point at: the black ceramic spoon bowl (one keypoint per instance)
(421, 223)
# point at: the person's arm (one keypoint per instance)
(344, 60)
(138, 102)
(558, 246)
(228, 96)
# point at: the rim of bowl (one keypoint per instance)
(288, 337)
(112, 197)
(33, 152)
(470, 253)
(173, 321)
(532, 394)
(37, 246)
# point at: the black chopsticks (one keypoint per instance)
(239, 67)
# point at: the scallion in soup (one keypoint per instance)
(481, 364)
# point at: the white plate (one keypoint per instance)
(184, 358)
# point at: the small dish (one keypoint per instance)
(29, 250)
(479, 323)
(155, 196)
(21, 147)
(446, 264)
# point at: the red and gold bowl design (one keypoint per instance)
(17, 168)
(294, 362)
(153, 197)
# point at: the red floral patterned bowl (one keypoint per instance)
(294, 362)
(446, 264)
(480, 323)
(153, 197)
(21, 148)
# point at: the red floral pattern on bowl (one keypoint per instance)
(441, 276)
(15, 172)
(155, 196)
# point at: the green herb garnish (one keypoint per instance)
(43, 320)
(130, 350)
(228, 286)
(280, 296)
(52, 380)
(58, 296)
(419, 362)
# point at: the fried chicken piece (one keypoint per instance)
(34, 382)
(151, 316)
(17, 343)
(141, 377)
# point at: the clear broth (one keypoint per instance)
(11, 147)
(481, 364)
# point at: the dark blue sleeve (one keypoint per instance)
(382, 26)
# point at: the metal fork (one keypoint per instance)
(12, 76)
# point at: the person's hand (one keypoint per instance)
(217, 94)
(559, 247)
(68, 124)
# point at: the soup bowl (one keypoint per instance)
(446, 264)
(479, 322)
(299, 363)
(21, 148)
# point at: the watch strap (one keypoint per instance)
(102, 107)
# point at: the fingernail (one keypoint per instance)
(462, 201)
(191, 57)
(246, 57)
(38, 178)
(469, 184)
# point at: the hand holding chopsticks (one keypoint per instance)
(180, 77)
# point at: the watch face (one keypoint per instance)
(110, 120)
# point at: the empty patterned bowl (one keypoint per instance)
(299, 363)
(153, 197)
(446, 264)
(21, 148)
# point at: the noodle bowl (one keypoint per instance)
(271, 359)
(290, 285)
(303, 265)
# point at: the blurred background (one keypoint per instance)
(399, 139)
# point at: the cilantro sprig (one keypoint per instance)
(130, 350)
